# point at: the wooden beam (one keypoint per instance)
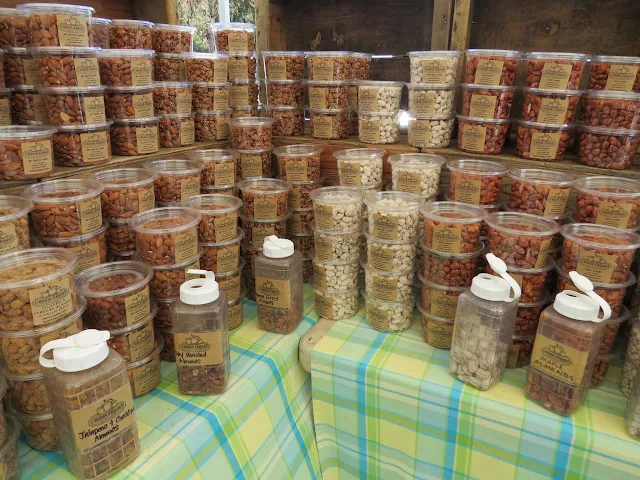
(172, 11)
(441, 24)
(263, 25)
(461, 29)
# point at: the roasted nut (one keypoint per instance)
(555, 70)
(176, 180)
(163, 317)
(299, 163)
(222, 257)
(168, 352)
(99, 32)
(241, 111)
(167, 279)
(219, 217)
(439, 300)
(520, 351)
(224, 190)
(210, 96)
(129, 102)
(244, 92)
(452, 227)
(27, 107)
(254, 163)
(475, 181)
(14, 224)
(26, 152)
(134, 136)
(170, 98)
(283, 65)
(393, 215)
(251, 133)
(126, 68)
(491, 67)
(328, 66)
(176, 130)
(481, 135)
(233, 37)
(27, 393)
(169, 67)
(127, 191)
(430, 99)
(144, 375)
(72, 106)
(528, 316)
(120, 236)
(389, 316)
(330, 124)
(452, 269)
(286, 93)
(538, 141)
(264, 199)
(13, 29)
(614, 73)
(40, 431)
(57, 25)
(432, 131)
(540, 192)
(550, 106)
(219, 166)
(336, 304)
(304, 243)
(359, 65)
(608, 201)
(256, 230)
(90, 248)
(300, 191)
(172, 38)
(300, 221)
(600, 369)
(481, 101)
(211, 126)
(243, 66)
(612, 110)
(287, 121)
(323, 95)
(135, 341)
(231, 282)
(607, 148)
(206, 67)
(20, 68)
(66, 67)
(378, 128)
(82, 145)
(130, 34)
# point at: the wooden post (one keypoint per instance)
(263, 25)
(441, 24)
(461, 29)
(172, 11)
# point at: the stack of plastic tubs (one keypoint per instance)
(285, 91)
(379, 111)
(251, 137)
(176, 180)
(219, 170)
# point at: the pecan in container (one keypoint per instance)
(126, 68)
(287, 121)
(264, 198)
(612, 109)
(481, 101)
(21, 349)
(542, 141)
(176, 130)
(219, 216)
(304, 243)
(222, 190)
(170, 98)
(328, 66)
(359, 65)
(330, 124)
(172, 38)
(39, 430)
(243, 66)
(478, 135)
(557, 107)
(90, 248)
(36, 288)
(27, 393)
(57, 25)
(300, 191)
(136, 341)
(520, 239)
(206, 67)
(121, 239)
(82, 145)
(130, 34)
(127, 191)
(283, 65)
(555, 70)
(607, 147)
(13, 29)
(26, 152)
(256, 230)
(129, 102)
(74, 105)
(540, 192)
(65, 208)
(452, 227)
(99, 32)
(614, 73)
(254, 163)
(244, 92)
(14, 223)
(212, 125)
(222, 256)
(169, 67)
(251, 133)
(520, 351)
(210, 96)
(528, 316)
(219, 166)
(144, 375)
(300, 221)
(491, 67)
(233, 37)
(327, 94)
(611, 201)
(436, 331)
(66, 67)
(242, 111)
(167, 279)
(439, 300)
(452, 269)
(20, 67)
(475, 181)
(430, 131)
(299, 163)
(27, 107)
(166, 236)
(285, 93)
(134, 136)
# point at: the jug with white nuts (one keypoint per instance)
(484, 324)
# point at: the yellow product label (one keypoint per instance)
(189, 187)
(39, 112)
(88, 256)
(265, 208)
(232, 287)
(378, 317)
(184, 100)
(5, 112)
(512, 358)
(73, 30)
(238, 95)
(544, 146)
(146, 199)
(31, 75)
(147, 139)
(596, 267)
(384, 288)
(488, 72)
(137, 306)
(434, 70)
(322, 126)
(369, 130)
(238, 41)
(238, 68)
(323, 247)
(146, 377)
(447, 238)
(555, 75)
(467, 190)
(294, 197)
(95, 147)
(220, 71)
(323, 305)
(259, 232)
(52, 302)
(423, 104)
(556, 202)
(94, 109)
(317, 97)
(277, 69)
(322, 68)
(224, 174)
(103, 420)
(9, 241)
(273, 293)
(409, 181)
(90, 215)
(141, 71)
(553, 110)
(385, 226)
(251, 165)
(543, 253)
(368, 99)
(187, 131)
(220, 99)
(294, 224)
(439, 334)
(621, 77)
(352, 96)
(141, 342)
(198, 349)
(323, 215)
(559, 361)
(614, 214)
(36, 157)
(443, 305)
(473, 137)
(419, 132)
(87, 72)
(234, 315)
(380, 258)
(296, 170)
(228, 258)
(319, 275)
(350, 174)
(223, 131)
(186, 245)
(482, 106)
(143, 105)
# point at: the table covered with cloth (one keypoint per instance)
(261, 427)
(386, 407)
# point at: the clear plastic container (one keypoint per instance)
(391, 255)
(242, 111)
(127, 191)
(607, 147)
(134, 136)
(614, 73)
(610, 109)
(336, 274)
(56, 24)
(528, 316)
(27, 393)
(74, 105)
(300, 191)
(221, 190)
(436, 331)
(555, 70)
(416, 173)
(39, 429)
(610, 333)
(285, 93)
(475, 181)
(27, 152)
(439, 300)
(9, 460)
(256, 230)
(144, 375)
(378, 128)
(14, 223)
(534, 283)
(130, 34)
(631, 357)
(163, 317)
(328, 65)
(520, 351)
(602, 254)
(121, 239)
(219, 165)
(254, 163)
(378, 97)
(611, 201)
(336, 246)
(387, 286)
(540, 192)
(136, 341)
(430, 131)
(557, 107)
(244, 92)
(452, 227)
(210, 96)
(99, 32)
(64, 67)
(600, 369)
(126, 67)
(431, 99)
(542, 141)
(393, 215)
(206, 67)
(452, 269)
(168, 352)
(20, 69)
(287, 121)
(167, 279)
(176, 180)
(26, 106)
(300, 221)
(483, 101)
(233, 37)
(330, 124)
(323, 95)
(90, 248)
(176, 130)
(389, 316)
(299, 163)
(169, 67)
(264, 199)
(338, 209)
(170, 98)
(283, 65)
(251, 133)
(436, 67)
(360, 167)
(243, 65)
(482, 135)
(172, 38)
(222, 256)
(359, 65)
(304, 243)
(82, 145)
(13, 29)
(491, 67)
(219, 216)
(336, 304)
(211, 126)
(74, 203)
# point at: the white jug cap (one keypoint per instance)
(78, 352)
(579, 306)
(200, 291)
(274, 247)
(492, 288)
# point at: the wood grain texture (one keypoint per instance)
(461, 28)
(157, 11)
(441, 24)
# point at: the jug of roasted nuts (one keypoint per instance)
(92, 405)
(278, 274)
(201, 336)
(566, 347)
(483, 327)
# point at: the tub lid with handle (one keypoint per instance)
(579, 306)
(77, 352)
(492, 288)
(200, 291)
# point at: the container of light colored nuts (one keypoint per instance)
(251, 133)
(360, 167)
(169, 67)
(129, 68)
(436, 67)
(129, 102)
(475, 181)
(74, 105)
(416, 173)
(254, 163)
(167, 279)
(389, 316)
(452, 227)
(283, 65)
(379, 97)
(338, 209)
(264, 198)
(431, 99)
(378, 128)
(46, 27)
(285, 93)
(388, 286)
(233, 37)
(26, 152)
(431, 131)
(336, 274)
(256, 230)
(491, 67)
(244, 92)
(219, 216)
(39, 430)
(134, 136)
(611, 201)
(127, 191)
(222, 256)
(336, 304)
(482, 135)
(212, 125)
(130, 34)
(144, 375)
(82, 145)
(391, 255)
(176, 180)
(219, 166)
(336, 246)
(136, 341)
(91, 248)
(330, 124)
(452, 269)
(14, 223)
(299, 163)
(393, 215)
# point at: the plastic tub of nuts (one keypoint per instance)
(611, 201)
(206, 67)
(176, 130)
(336, 304)
(38, 286)
(390, 255)
(283, 65)
(303, 242)
(168, 352)
(176, 180)
(336, 246)
(57, 25)
(136, 341)
(172, 38)
(26, 106)
(359, 65)
(231, 282)
(482, 135)
(452, 269)
(328, 65)
(387, 286)
(439, 300)
(431, 99)
(555, 70)
(379, 97)
(163, 317)
(126, 67)
(169, 67)
(26, 152)
(299, 193)
(171, 98)
(39, 430)
(129, 102)
(219, 216)
(285, 93)
(26, 393)
(393, 215)
(437, 67)
(166, 236)
(210, 96)
(242, 111)
(251, 133)
(13, 28)
(417, 173)
(603, 254)
(336, 274)
(243, 65)
(256, 230)
(542, 141)
(330, 124)
(127, 191)
(338, 209)
(99, 32)
(611, 328)
(389, 316)
(21, 349)
(475, 181)
(483, 101)
(212, 125)
(600, 369)
(20, 69)
(378, 128)
(287, 121)
(550, 106)
(121, 239)
(75, 204)
(360, 167)
(534, 282)
(144, 375)
(299, 163)
(614, 73)
(221, 190)
(264, 198)
(233, 36)
(244, 92)
(91, 248)
(14, 223)
(491, 67)
(541, 192)
(520, 351)
(254, 163)
(300, 221)
(167, 279)
(222, 256)
(134, 136)
(431, 131)
(219, 165)
(65, 67)
(82, 145)
(607, 147)
(235, 311)
(130, 34)
(528, 316)
(612, 109)
(452, 227)
(74, 105)
(436, 331)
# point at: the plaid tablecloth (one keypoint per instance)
(261, 427)
(385, 407)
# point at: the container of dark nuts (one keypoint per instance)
(264, 198)
(254, 163)
(167, 279)
(241, 111)
(244, 92)
(543, 141)
(256, 230)
(283, 65)
(134, 136)
(607, 147)
(74, 105)
(219, 216)
(219, 165)
(20, 68)
(136, 341)
(285, 93)
(176, 179)
(251, 133)
(330, 124)
(299, 194)
(99, 32)
(491, 67)
(82, 145)
(287, 121)
(482, 135)
(210, 96)
(169, 67)
(144, 375)
(26, 106)
(222, 190)
(233, 37)
(171, 98)
(47, 26)
(359, 65)
(243, 66)
(26, 152)
(327, 94)
(557, 70)
(550, 106)
(130, 34)
(613, 73)
(14, 223)
(65, 67)
(127, 191)
(299, 163)
(90, 248)
(328, 65)
(176, 130)
(167, 38)
(206, 67)
(126, 68)
(222, 257)
(121, 239)
(212, 125)
(612, 201)
(129, 102)
(540, 192)
(13, 28)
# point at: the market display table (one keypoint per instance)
(261, 427)
(386, 407)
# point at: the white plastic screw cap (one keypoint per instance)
(580, 306)
(200, 291)
(492, 288)
(274, 247)
(77, 352)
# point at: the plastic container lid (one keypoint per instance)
(337, 195)
(581, 306)
(329, 54)
(556, 56)
(243, 53)
(131, 89)
(376, 199)
(251, 122)
(77, 352)
(21, 205)
(177, 116)
(213, 155)
(431, 284)
(274, 247)
(141, 273)
(93, 127)
(246, 81)
(66, 242)
(618, 187)
(320, 83)
(615, 59)
(610, 238)
(191, 216)
(214, 203)
(264, 185)
(505, 221)
(28, 8)
(493, 288)
(210, 113)
(329, 111)
(435, 116)
(134, 23)
(210, 85)
(431, 86)
(631, 279)
(367, 56)
(237, 239)
(58, 51)
(304, 150)
(539, 176)
(175, 166)
(371, 238)
(81, 189)
(378, 83)
(501, 88)
(233, 26)
(98, 20)
(435, 53)
(471, 166)
(177, 56)
(498, 121)
(200, 291)
(176, 266)
(282, 53)
(416, 161)
(613, 95)
(112, 52)
(210, 56)
(137, 325)
(172, 85)
(25, 132)
(284, 107)
(493, 53)
(274, 220)
(159, 345)
(550, 91)
(611, 132)
(136, 121)
(453, 212)
(355, 154)
(166, 26)
(125, 177)
(17, 259)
